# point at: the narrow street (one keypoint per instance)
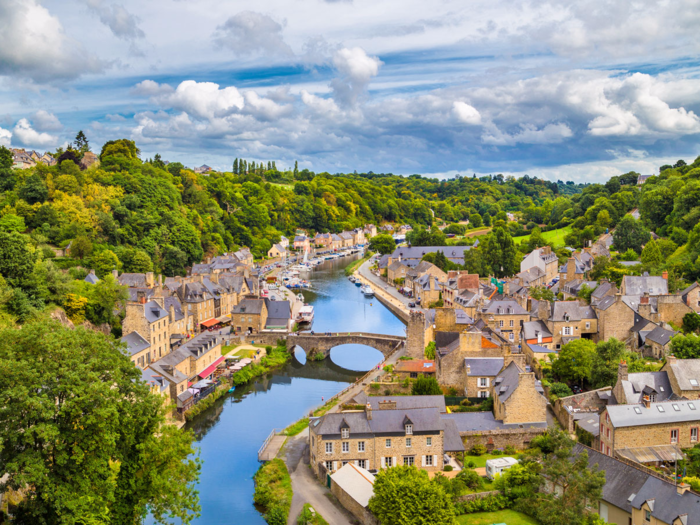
(380, 286)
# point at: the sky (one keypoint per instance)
(557, 89)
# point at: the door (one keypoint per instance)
(328, 480)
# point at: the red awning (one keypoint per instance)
(210, 322)
(208, 370)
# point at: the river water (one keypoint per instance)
(231, 432)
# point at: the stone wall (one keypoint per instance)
(394, 388)
(364, 516)
(518, 438)
(525, 404)
(649, 435)
(671, 309)
(586, 402)
(616, 321)
(415, 333)
(478, 495)
(386, 344)
(263, 339)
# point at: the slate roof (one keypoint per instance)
(177, 305)
(451, 442)
(396, 266)
(509, 380)
(686, 370)
(356, 482)
(667, 504)
(483, 366)
(409, 402)
(135, 280)
(153, 378)
(573, 309)
(641, 284)
(621, 480)
(461, 317)
(446, 342)
(640, 415)
(453, 253)
(532, 328)
(482, 421)
(154, 312)
(135, 343)
(685, 292)
(91, 278)
(279, 248)
(134, 293)
(249, 306)
(466, 298)
(381, 264)
(382, 422)
(660, 335)
(636, 383)
(541, 349)
(506, 308)
(602, 289)
(278, 313)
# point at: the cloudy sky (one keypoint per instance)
(559, 89)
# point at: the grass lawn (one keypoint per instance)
(312, 519)
(556, 237)
(243, 352)
(509, 517)
(481, 460)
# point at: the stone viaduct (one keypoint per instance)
(323, 343)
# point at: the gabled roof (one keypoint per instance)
(136, 280)
(483, 366)
(666, 412)
(135, 343)
(177, 305)
(250, 306)
(660, 336)
(415, 365)
(573, 309)
(641, 284)
(531, 329)
(685, 371)
(504, 308)
(91, 278)
(636, 383)
(356, 482)
(154, 312)
(509, 380)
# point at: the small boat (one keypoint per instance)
(232, 389)
(351, 279)
(358, 283)
(367, 290)
(306, 314)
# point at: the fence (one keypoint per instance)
(274, 432)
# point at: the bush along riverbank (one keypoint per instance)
(206, 402)
(350, 268)
(296, 428)
(273, 491)
(274, 358)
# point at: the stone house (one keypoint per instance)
(571, 320)
(353, 486)
(387, 228)
(427, 289)
(137, 280)
(604, 289)
(673, 424)
(691, 297)
(413, 255)
(536, 333)
(301, 242)
(616, 317)
(518, 397)
(358, 236)
(370, 231)
(323, 239)
(576, 267)
(424, 268)
(636, 495)
(277, 250)
(152, 323)
(396, 271)
(347, 239)
(199, 302)
(481, 373)
(336, 242)
(506, 316)
(415, 368)
(630, 389)
(644, 284)
(544, 259)
(684, 375)
(382, 437)
(456, 282)
(138, 349)
(250, 315)
(658, 342)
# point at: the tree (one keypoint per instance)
(80, 247)
(296, 169)
(575, 360)
(686, 346)
(404, 495)
(135, 260)
(630, 234)
(81, 142)
(104, 262)
(12, 223)
(560, 390)
(34, 189)
(235, 166)
(691, 322)
(475, 220)
(542, 293)
(426, 386)
(500, 255)
(605, 363)
(577, 485)
(430, 350)
(585, 293)
(382, 243)
(651, 255)
(173, 261)
(80, 427)
(17, 258)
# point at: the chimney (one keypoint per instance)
(664, 274)
(682, 488)
(149, 279)
(646, 401)
(160, 279)
(115, 274)
(644, 299)
(387, 405)
(171, 313)
(141, 297)
(622, 374)
(670, 359)
(368, 411)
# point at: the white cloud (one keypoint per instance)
(34, 46)
(123, 24)
(150, 88)
(204, 100)
(529, 134)
(25, 135)
(264, 108)
(466, 113)
(251, 33)
(356, 70)
(5, 137)
(45, 121)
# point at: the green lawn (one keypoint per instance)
(556, 237)
(481, 460)
(509, 517)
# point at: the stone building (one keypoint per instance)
(507, 317)
(391, 434)
(250, 315)
(198, 301)
(630, 389)
(152, 322)
(396, 271)
(543, 259)
(415, 368)
(354, 487)
(616, 317)
(644, 284)
(576, 267)
(276, 251)
(518, 397)
(456, 282)
(691, 297)
(571, 320)
(481, 372)
(684, 375)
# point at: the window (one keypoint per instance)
(346, 446)
(329, 448)
(409, 429)
(387, 462)
(484, 381)
(500, 324)
(674, 435)
(647, 515)
(638, 410)
(483, 394)
(414, 375)
(409, 460)
(388, 443)
(694, 434)
(691, 406)
(511, 323)
(511, 336)
(329, 466)
(660, 408)
(408, 442)
(588, 325)
(428, 461)
(360, 446)
(676, 407)
(567, 330)
(429, 442)
(693, 382)
(345, 433)
(361, 463)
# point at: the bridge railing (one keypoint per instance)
(350, 334)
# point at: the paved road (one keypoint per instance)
(378, 283)
(307, 489)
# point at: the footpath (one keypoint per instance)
(387, 294)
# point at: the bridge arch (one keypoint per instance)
(322, 344)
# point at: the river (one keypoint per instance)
(231, 432)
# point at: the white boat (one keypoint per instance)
(300, 297)
(300, 268)
(367, 290)
(306, 314)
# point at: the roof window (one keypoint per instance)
(661, 409)
(693, 382)
(691, 406)
(638, 410)
(676, 407)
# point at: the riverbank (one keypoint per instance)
(350, 269)
(396, 306)
(273, 491)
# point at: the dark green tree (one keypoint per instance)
(606, 361)
(80, 247)
(81, 142)
(235, 166)
(500, 255)
(296, 169)
(630, 234)
(382, 243)
(686, 346)
(574, 362)
(426, 386)
(691, 322)
(34, 189)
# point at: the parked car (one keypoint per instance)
(576, 389)
(411, 304)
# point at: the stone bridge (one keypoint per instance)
(323, 343)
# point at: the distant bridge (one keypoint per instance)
(323, 343)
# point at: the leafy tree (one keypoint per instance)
(542, 293)
(7, 174)
(173, 261)
(686, 346)
(691, 322)
(17, 258)
(500, 255)
(104, 262)
(475, 220)
(630, 234)
(81, 142)
(605, 363)
(135, 261)
(430, 350)
(81, 247)
(405, 495)
(629, 255)
(12, 223)
(34, 189)
(382, 243)
(585, 293)
(651, 255)
(560, 390)
(574, 362)
(426, 386)
(94, 443)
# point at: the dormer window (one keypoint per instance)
(499, 310)
(345, 433)
(409, 430)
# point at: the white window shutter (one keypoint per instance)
(435, 463)
(488, 381)
(355, 463)
(423, 461)
(334, 466)
(383, 462)
(367, 464)
(394, 463)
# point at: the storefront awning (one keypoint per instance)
(210, 322)
(224, 319)
(210, 369)
(653, 454)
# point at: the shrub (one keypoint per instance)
(276, 516)
(387, 392)
(268, 349)
(389, 369)
(477, 450)
(465, 402)
(510, 450)
(448, 468)
(375, 386)
(470, 478)
(496, 452)
(490, 504)
(471, 464)
(452, 391)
